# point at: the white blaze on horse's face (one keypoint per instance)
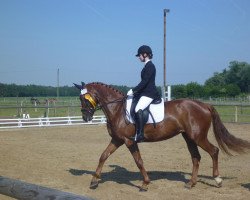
(84, 91)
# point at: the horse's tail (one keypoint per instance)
(225, 140)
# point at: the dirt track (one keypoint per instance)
(64, 158)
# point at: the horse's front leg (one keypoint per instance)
(113, 145)
(134, 150)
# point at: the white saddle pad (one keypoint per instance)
(157, 111)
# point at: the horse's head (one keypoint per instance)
(88, 102)
(98, 95)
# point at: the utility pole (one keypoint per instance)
(165, 11)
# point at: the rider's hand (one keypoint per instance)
(130, 92)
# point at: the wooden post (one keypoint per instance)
(57, 90)
(26, 191)
(165, 11)
(47, 108)
(236, 114)
(54, 108)
(21, 109)
(18, 108)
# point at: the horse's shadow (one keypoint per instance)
(246, 185)
(122, 176)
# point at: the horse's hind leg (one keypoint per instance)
(113, 145)
(213, 152)
(193, 149)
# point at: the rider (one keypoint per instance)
(145, 91)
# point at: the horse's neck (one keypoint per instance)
(111, 102)
(106, 93)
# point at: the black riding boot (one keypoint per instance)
(139, 136)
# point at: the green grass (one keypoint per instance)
(227, 113)
(68, 110)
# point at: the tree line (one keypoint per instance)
(231, 82)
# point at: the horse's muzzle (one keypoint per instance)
(86, 118)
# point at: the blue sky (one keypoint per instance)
(96, 40)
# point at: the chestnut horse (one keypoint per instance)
(189, 117)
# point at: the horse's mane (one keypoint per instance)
(108, 86)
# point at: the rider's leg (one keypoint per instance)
(141, 105)
(139, 137)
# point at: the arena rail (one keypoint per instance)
(49, 121)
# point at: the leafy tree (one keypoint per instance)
(215, 91)
(2, 90)
(217, 79)
(232, 90)
(245, 78)
(239, 74)
(179, 91)
(194, 90)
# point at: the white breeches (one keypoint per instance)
(143, 103)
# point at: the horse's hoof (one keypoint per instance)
(189, 185)
(93, 185)
(94, 181)
(218, 181)
(144, 188)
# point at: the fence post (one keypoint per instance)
(236, 114)
(35, 107)
(47, 121)
(69, 120)
(20, 123)
(40, 122)
(47, 108)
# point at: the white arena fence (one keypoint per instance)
(49, 121)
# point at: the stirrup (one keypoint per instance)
(132, 138)
(139, 138)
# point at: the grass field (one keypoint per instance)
(70, 106)
(234, 113)
(13, 107)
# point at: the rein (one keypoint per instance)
(95, 105)
(123, 99)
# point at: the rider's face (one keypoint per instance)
(142, 59)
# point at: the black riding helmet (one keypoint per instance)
(144, 49)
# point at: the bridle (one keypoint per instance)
(88, 108)
(93, 106)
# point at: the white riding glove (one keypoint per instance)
(130, 92)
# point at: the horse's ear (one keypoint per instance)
(78, 86)
(83, 84)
